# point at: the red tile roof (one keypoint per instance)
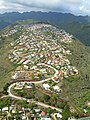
(43, 113)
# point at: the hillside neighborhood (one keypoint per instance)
(42, 65)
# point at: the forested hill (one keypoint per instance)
(57, 18)
(77, 25)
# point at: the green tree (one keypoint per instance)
(2, 104)
(49, 111)
(66, 112)
(55, 96)
(46, 97)
(18, 115)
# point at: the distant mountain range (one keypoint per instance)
(79, 26)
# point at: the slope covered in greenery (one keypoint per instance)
(80, 31)
(77, 89)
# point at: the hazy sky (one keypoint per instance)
(78, 7)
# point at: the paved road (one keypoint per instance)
(38, 103)
(48, 106)
(21, 98)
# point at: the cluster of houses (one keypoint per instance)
(9, 33)
(46, 86)
(39, 44)
(56, 88)
(27, 113)
(21, 85)
(39, 50)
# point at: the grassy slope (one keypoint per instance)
(73, 88)
(5, 65)
(81, 31)
(24, 22)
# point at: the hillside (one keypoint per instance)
(80, 24)
(76, 88)
(80, 31)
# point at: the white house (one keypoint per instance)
(45, 118)
(46, 86)
(25, 67)
(5, 109)
(58, 115)
(16, 75)
(56, 88)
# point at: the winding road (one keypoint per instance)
(29, 100)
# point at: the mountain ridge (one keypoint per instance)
(75, 25)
